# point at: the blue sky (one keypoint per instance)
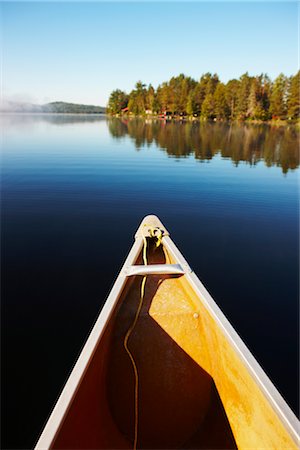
(80, 51)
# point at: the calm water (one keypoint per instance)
(74, 190)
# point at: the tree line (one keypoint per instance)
(246, 98)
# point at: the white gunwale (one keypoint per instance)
(64, 402)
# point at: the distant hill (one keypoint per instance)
(62, 107)
(53, 107)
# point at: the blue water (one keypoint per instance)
(74, 190)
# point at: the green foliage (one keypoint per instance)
(246, 98)
(221, 106)
(259, 98)
(243, 97)
(208, 107)
(278, 100)
(293, 102)
(232, 89)
(197, 96)
(138, 99)
(117, 101)
(190, 104)
(150, 99)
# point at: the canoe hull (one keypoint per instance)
(199, 386)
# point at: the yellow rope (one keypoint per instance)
(128, 334)
(154, 232)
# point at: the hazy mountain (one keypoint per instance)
(53, 107)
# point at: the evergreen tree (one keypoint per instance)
(190, 104)
(293, 102)
(198, 96)
(212, 82)
(208, 84)
(132, 104)
(208, 107)
(266, 95)
(221, 108)
(232, 89)
(163, 97)
(278, 101)
(257, 99)
(243, 97)
(183, 95)
(117, 101)
(150, 98)
(137, 99)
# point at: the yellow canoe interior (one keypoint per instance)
(194, 391)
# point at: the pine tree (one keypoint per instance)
(266, 95)
(221, 108)
(278, 101)
(293, 102)
(232, 89)
(198, 98)
(150, 98)
(208, 107)
(117, 101)
(162, 96)
(257, 100)
(190, 104)
(137, 99)
(243, 97)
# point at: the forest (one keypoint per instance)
(255, 98)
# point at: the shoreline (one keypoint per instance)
(272, 122)
(180, 119)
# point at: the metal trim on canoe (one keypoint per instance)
(181, 267)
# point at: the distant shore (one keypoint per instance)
(50, 108)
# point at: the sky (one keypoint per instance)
(80, 51)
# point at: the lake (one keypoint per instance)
(74, 189)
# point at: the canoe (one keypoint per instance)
(163, 368)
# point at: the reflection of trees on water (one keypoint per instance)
(250, 143)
